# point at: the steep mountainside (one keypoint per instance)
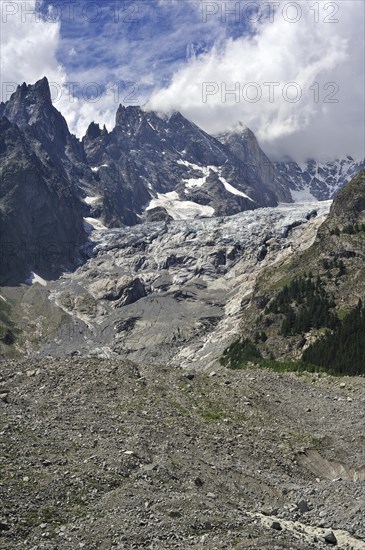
(31, 109)
(349, 206)
(173, 169)
(147, 167)
(316, 180)
(254, 164)
(311, 305)
(41, 225)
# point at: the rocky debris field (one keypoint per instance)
(171, 293)
(104, 454)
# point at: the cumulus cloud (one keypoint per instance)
(127, 52)
(176, 50)
(326, 121)
(28, 46)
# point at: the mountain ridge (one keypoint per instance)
(316, 180)
(147, 168)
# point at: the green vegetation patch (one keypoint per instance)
(340, 351)
(7, 327)
(343, 349)
(244, 352)
(305, 304)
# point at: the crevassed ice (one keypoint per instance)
(245, 227)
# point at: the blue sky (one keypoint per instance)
(142, 41)
(164, 55)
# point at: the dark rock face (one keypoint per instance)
(31, 109)
(157, 214)
(123, 291)
(41, 225)
(256, 167)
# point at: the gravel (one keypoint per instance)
(107, 454)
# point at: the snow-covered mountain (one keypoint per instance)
(147, 168)
(155, 168)
(318, 180)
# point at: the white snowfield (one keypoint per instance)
(92, 223)
(199, 182)
(34, 278)
(91, 200)
(178, 209)
(303, 195)
(96, 168)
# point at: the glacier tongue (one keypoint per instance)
(175, 292)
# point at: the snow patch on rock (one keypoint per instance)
(97, 168)
(91, 199)
(179, 209)
(34, 278)
(92, 223)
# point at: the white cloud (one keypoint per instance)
(28, 46)
(111, 56)
(303, 52)
(79, 112)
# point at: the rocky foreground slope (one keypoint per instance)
(102, 454)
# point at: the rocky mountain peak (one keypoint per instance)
(93, 131)
(255, 165)
(239, 138)
(128, 114)
(168, 163)
(42, 168)
(31, 108)
(28, 102)
(41, 90)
